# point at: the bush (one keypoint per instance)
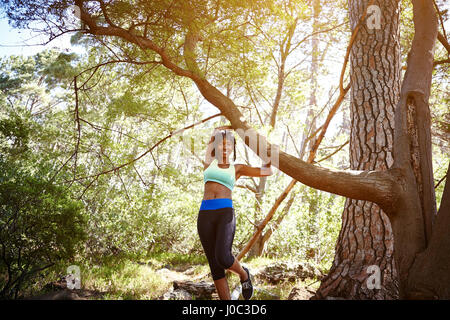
(39, 224)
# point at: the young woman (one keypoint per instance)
(216, 221)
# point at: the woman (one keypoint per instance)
(216, 221)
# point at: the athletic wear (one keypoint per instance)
(247, 287)
(216, 228)
(217, 203)
(226, 177)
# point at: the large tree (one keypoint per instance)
(184, 36)
(366, 236)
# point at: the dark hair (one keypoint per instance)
(229, 137)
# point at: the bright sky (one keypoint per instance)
(15, 41)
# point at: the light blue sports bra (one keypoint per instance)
(226, 177)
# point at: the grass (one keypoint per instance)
(126, 278)
(117, 278)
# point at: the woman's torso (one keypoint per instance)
(214, 190)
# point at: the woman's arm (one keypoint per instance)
(245, 170)
(210, 147)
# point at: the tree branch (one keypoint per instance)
(143, 154)
(443, 41)
(372, 186)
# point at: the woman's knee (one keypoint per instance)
(225, 260)
(218, 274)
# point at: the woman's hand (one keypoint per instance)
(217, 129)
(266, 169)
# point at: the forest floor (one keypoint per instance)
(154, 279)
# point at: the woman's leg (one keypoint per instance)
(224, 243)
(206, 227)
(222, 288)
(237, 269)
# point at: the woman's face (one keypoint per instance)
(225, 149)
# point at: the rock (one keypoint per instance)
(289, 271)
(189, 290)
(300, 293)
(190, 271)
(200, 290)
(163, 270)
(177, 294)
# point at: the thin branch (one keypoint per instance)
(246, 186)
(96, 67)
(118, 174)
(334, 152)
(292, 138)
(440, 181)
(97, 127)
(139, 175)
(444, 42)
(444, 36)
(437, 62)
(77, 120)
(146, 152)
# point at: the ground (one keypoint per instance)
(154, 279)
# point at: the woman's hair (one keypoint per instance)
(229, 137)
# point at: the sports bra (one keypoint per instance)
(224, 176)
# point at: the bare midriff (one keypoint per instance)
(214, 190)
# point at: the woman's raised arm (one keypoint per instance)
(210, 147)
(245, 170)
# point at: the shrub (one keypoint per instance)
(39, 224)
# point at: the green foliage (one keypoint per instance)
(310, 230)
(15, 131)
(39, 224)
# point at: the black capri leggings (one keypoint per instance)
(216, 230)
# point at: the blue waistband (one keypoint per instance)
(212, 204)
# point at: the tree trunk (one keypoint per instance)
(366, 236)
(416, 209)
(430, 275)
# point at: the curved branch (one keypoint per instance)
(373, 186)
(142, 42)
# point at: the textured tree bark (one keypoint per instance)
(413, 219)
(435, 282)
(366, 236)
